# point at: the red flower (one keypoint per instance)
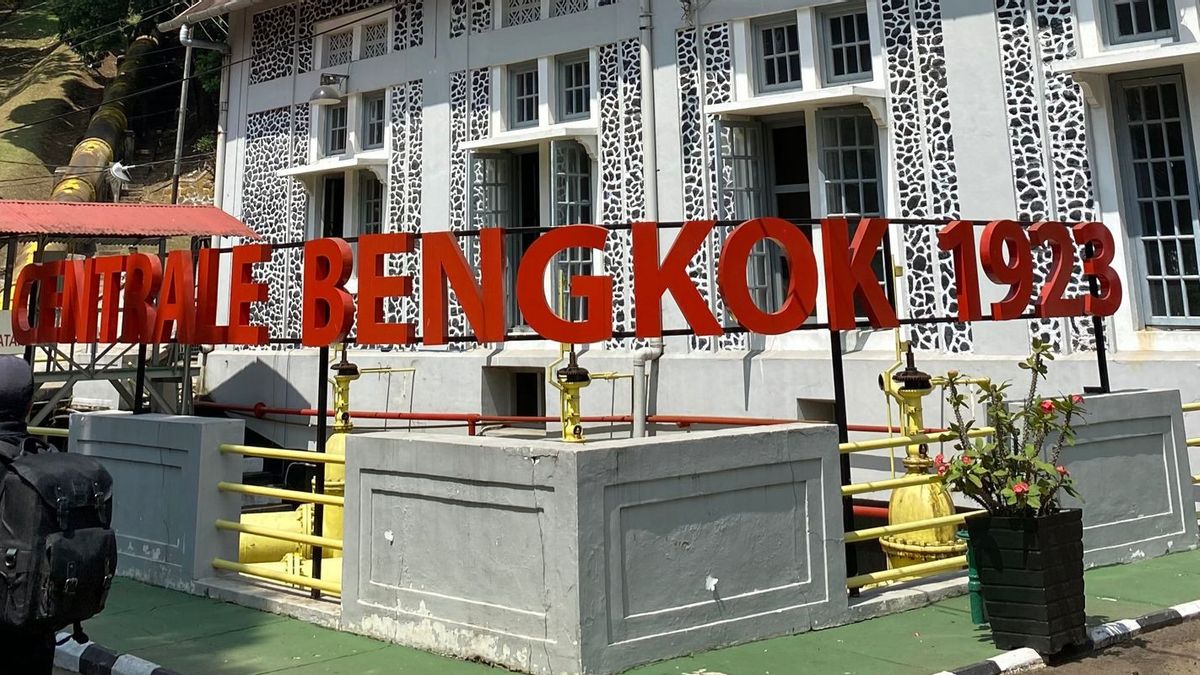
(1076, 399)
(940, 460)
(942, 469)
(966, 460)
(1021, 488)
(1062, 470)
(1047, 406)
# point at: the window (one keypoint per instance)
(1131, 20)
(523, 92)
(740, 155)
(374, 112)
(778, 53)
(564, 7)
(847, 49)
(374, 40)
(850, 161)
(339, 48)
(335, 129)
(850, 167)
(1159, 172)
(333, 204)
(572, 205)
(517, 12)
(574, 87)
(370, 203)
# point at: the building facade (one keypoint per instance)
(460, 114)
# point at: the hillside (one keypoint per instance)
(40, 78)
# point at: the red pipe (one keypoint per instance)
(864, 511)
(472, 420)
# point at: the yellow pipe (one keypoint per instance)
(891, 483)
(915, 439)
(910, 526)
(1191, 407)
(610, 376)
(911, 571)
(291, 495)
(277, 453)
(49, 431)
(1193, 442)
(282, 535)
(283, 577)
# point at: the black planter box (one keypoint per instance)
(1031, 570)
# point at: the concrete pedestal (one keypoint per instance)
(1130, 463)
(552, 558)
(165, 471)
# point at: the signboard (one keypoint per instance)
(77, 300)
(8, 343)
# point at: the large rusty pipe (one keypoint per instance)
(83, 181)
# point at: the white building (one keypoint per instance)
(458, 114)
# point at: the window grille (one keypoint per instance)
(374, 40)
(517, 12)
(339, 48)
(374, 114)
(778, 52)
(523, 91)
(1130, 20)
(335, 129)
(847, 46)
(370, 196)
(574, 92)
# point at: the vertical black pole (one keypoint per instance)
(319, 479)
(139, 389)
(1098, 329)
(840, 418)
(10, 261)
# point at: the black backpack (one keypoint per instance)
(58, 552)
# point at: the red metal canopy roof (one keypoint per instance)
(99, 219)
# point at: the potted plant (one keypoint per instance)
(1027, 548)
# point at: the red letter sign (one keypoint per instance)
(143, 275)
(1098, 265)
(243, 291)
(443, 261)
(375, 286)
(998, 238)
(849, 275)
(177, 300)
(801, 295)
(206, 330)
(328, 308)
(1062, 249)
(531, 293)
(30, 278)
(108, 273)
(651, 280)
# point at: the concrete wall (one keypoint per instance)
(165, 470)
(546, 557)
(1130, 464)
(767, 384)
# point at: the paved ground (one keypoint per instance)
(1170, 651)
(194, 635)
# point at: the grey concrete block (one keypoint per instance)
(165, 470)
(1130, 464)
(552, 558)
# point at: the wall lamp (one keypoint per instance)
(330, 92)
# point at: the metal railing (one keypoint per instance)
(49, 431)
(918, 570)
(313, 540)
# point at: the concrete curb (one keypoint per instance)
(94, 659)
(1104, 635)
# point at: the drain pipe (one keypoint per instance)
(654, 350)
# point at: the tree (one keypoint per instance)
(97, 27)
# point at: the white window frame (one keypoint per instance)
(824, 47)
(1108, 16)
(355, 22)
(365, 123)
(326, 130)
(561, 63)
(511, 74)
(759, 70)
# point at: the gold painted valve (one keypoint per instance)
(911, 503)
(570, 381)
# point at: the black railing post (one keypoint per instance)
(1098, 328)
(841, 419)
(319, 479)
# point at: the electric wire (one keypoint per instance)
(93, 172)
(116, 29)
